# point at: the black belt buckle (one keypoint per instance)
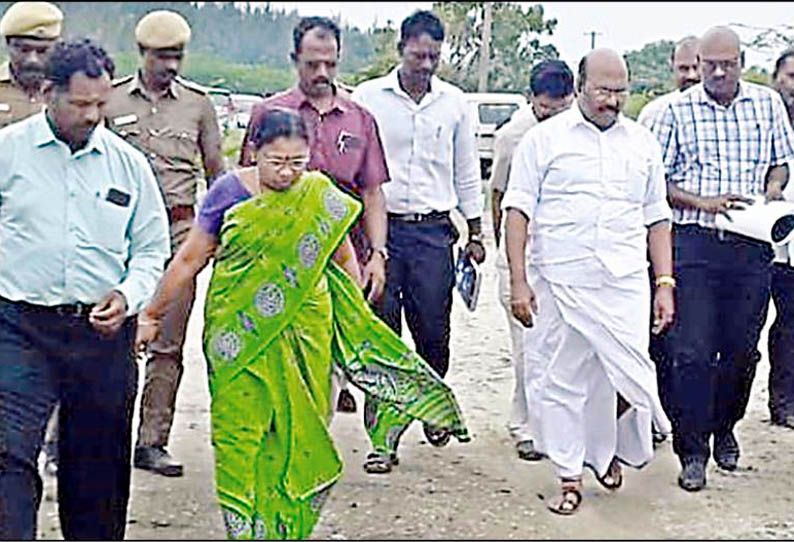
(75, 310)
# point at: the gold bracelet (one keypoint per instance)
(665, 280)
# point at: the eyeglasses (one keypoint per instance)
(603, 93)
(726, 65)
(295, 164)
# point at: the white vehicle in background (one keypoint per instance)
(243, 104)
(490, 110)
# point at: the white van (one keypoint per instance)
(489, 110)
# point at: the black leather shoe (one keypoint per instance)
(693, 474)
(526, 451)
(156, 459)
(726, 450)
(437, 438)
(346, 402)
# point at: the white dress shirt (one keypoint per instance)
(431, 150)
(505, 141)
(589, 196)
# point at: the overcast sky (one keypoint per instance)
(624, 26)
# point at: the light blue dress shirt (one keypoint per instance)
(62, 237)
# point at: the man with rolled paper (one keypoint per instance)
(725, 142)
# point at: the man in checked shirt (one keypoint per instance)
(723, 141)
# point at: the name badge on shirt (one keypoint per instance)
(125, 119)
(5, 108)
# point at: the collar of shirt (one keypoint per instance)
(296, 99)
(703, 97)
(392, 82)
(575, 117)
(43, 135)
(136, 86)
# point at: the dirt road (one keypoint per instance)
(479, 489)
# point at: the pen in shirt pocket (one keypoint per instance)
(438, 132)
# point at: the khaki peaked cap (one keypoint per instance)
(162, 29)
(40, 20)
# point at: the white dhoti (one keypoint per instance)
(588, 344)
(518, 420)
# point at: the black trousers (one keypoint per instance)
(710, 353)
(420, 276)
(781, 345)
(46, 358)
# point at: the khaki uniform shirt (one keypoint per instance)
(15, 104)
(170, 131)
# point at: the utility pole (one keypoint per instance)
(485, 49)
(592, 35)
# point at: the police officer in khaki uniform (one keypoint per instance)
(30, 30)
(173, 122)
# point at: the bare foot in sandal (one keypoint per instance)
(380, 463)
(569, 499)
(613, 478)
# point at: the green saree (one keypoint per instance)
(279, 312)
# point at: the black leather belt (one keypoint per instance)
(419, 217)
(74, 309)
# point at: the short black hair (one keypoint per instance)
(309, 23)
(277, 122)
(551, 77)
(77, 55)
(785, 55)
(418, 23)
(581, 74)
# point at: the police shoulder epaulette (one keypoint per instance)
(122, 80)
(195, 87)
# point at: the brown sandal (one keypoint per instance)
(569, 500)
(613, 478)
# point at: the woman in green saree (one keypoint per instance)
(284, 303)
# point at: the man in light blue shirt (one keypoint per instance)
(83, 242)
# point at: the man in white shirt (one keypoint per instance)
(551, 91)
(589, 185)
(685, 71)
(431, 152)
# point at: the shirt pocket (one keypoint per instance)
(109, 229)
(433, 140)
(179, 144)
(631, 176)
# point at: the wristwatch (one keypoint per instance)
(380, 250)
(475, 237)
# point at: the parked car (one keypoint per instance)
(243, 104)
(222, 101)
(490, 110)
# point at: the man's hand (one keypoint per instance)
(774, 192)
(723, 204)
(663, 309)
(522, 302)
(375, 276)
(475, 250)
(108, 315)
(148, 329)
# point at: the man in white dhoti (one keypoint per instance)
(551, 87)
(589, 186)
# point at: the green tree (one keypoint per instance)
(384, 57)
(515, 42)
(650, 69)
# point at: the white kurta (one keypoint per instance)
(589, 196)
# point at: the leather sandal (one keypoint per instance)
(380, 463)
(613, 479)
(569, 499)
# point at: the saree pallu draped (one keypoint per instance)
(279, 312)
